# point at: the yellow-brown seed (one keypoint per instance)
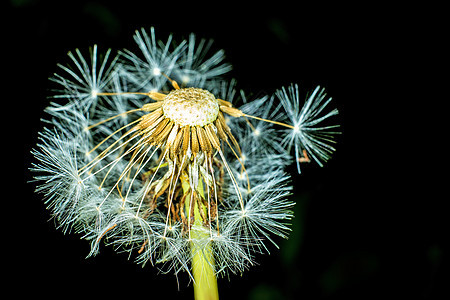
(234, 112)
(152, 106)
(220, 131)
(149, 119)
(194, 141)
(205, 145)
(225, 129)
(157, 131)
(212, 136)
(172, 136)
(186, 137)
(162, 137)
(225, 103)
(176, 146)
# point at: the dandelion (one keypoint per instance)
(170, 170)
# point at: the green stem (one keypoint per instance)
(205, 281)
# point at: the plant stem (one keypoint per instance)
(205, 281)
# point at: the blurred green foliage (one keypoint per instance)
(265, 292)
(348, 270)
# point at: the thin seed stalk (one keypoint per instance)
(205, 281)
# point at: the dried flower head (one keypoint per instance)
(149, 155)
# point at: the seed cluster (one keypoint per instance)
(189, 126)
(191, 106)
(166, 176)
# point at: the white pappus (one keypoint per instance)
(119, 165)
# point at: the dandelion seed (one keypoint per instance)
(177, 176)
(197, 67)
(84, 80)
(146, 73)
(306, 135)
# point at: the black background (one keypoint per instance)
(363, 228)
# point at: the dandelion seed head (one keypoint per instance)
(191, 106)
(182, 173)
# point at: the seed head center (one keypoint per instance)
(191, 106)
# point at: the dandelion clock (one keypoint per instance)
(147, 152)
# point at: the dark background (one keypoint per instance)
(363, 228)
